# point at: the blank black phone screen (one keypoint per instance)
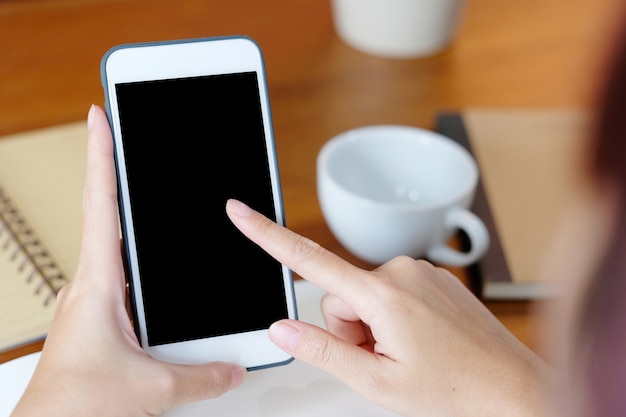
(189, 145)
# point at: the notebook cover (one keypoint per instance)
(530, 166)
(41, 180)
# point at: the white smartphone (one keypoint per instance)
(192, 127)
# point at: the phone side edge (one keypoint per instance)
(104, 79)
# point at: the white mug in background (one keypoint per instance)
(391, 190)
(397, 28)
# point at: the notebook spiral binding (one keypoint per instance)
(31, 256)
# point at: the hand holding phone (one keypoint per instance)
(192, 127)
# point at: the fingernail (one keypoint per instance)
(285, 335)
(238, 208)
(237, 377)
(90, 116)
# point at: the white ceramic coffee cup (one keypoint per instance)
(397, 28)
(390, 190)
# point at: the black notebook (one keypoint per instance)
(529, 163)
(41, 180)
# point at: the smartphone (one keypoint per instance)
(192, 127)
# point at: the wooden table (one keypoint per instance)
(514, 53)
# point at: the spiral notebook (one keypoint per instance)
(41, 181)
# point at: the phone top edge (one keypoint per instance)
(176, 41)
(158, 60)
(129, 45)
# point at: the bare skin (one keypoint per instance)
(91, 363)
(408, 336)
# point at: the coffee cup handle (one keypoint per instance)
(473, 226)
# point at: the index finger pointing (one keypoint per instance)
(303, 256)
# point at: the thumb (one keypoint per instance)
(202, 382)
(321, 349)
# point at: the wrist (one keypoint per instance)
(524, 390)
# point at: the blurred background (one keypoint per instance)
(507, 54)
